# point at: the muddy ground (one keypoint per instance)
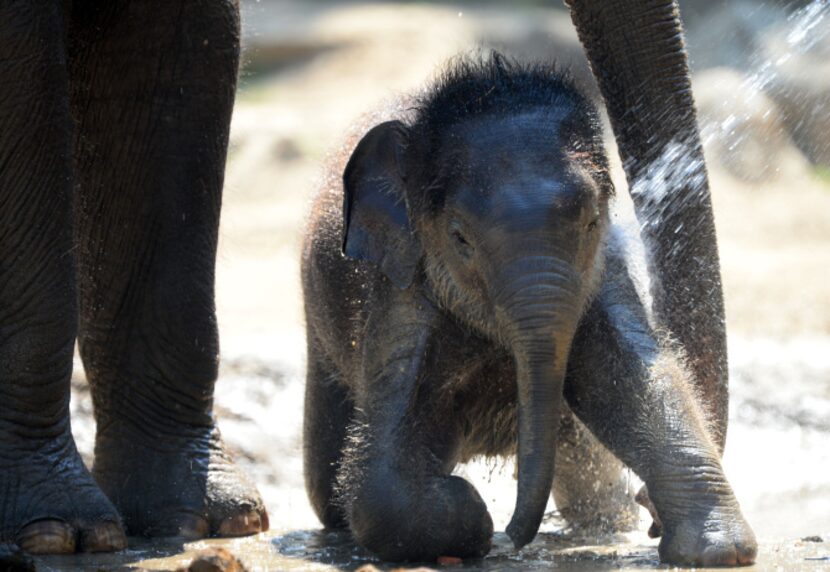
(311, 70)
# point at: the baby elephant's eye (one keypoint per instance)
(592, 225)
(459, 240)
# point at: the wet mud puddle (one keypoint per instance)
(316, 550)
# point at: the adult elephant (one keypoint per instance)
(114, 125)
(113, 137)
(637, 53)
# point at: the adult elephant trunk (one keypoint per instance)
(541, 317)
(637, 53)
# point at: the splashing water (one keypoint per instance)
(677, 166)
(803, 31)
(804, 21)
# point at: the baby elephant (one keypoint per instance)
(464, 290)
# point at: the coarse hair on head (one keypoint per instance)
(478, 85)
(484, 83)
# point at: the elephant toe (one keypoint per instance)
(747, 552)
(712, 543)
(47, 536)
(59, 514)
(102, 537)
(191, 527)
(656, 528)
(243, 523)
(192, 489)
(719, 555)
(728, 552)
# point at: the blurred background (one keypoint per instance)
(761, 79)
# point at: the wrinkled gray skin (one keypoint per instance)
(125, 117)
(482, 289)
(114, 122)
(637, 53)
(636, 49)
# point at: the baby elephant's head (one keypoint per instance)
(494, 197)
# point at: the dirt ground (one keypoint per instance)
(311, 70)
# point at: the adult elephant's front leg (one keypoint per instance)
(49, 502)
(637, 52)
(152, 90)
(400, 499)
(638, 400)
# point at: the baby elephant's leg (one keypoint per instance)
(403, 506)
(591, 486)
(639, 403)
(328, 413)
(399, 497)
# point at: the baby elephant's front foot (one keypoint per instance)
(399, 521)
(717, 536)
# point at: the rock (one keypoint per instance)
(214, 560)
(742, 128)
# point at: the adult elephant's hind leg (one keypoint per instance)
(49, 502)
(328, 415)
(591, 486)
(152, 91)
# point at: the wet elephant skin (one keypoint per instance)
(50, 55)
(464, 288)
(114, 123)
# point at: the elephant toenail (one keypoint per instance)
(47, 537)
(241, 524)
(193, 527)
(103, 537)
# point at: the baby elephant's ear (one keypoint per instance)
(376, 224)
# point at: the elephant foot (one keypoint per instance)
(656, 528)
(443, 517)
(51, 504)
(716, 537)
(183, 486)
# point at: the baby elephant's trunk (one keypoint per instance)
(542, 316)
(540, 392)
